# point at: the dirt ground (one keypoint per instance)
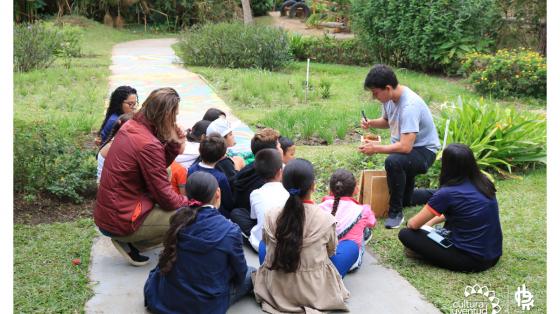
(297, 25)
(47, 210)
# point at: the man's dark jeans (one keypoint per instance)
(401, 171)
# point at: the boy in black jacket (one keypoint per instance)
(247, 180)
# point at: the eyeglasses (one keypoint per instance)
(131, 104)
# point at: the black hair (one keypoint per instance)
(342, 183)
(265, 138)
(201, 187)
(458, 164)
(195, 133)
(297, 178)
(212, 148)
(267, 163)
(213, 114)
(285, 143)
(123, 118)
(118, 96)
(380, 76)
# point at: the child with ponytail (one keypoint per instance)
(298, 239)
(202, 268)
(353, 221)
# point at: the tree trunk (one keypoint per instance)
(542, 39)
(247, 15)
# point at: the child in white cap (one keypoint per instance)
(228, 165)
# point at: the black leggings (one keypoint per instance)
(450, 258)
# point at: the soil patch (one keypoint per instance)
(297, 25)
(47, 210)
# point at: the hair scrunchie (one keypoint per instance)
(195, 203)
(294, 191)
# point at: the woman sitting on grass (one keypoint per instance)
(123, 100)
(353, 221)
(202, 268)
(467, 198)
(297, 274)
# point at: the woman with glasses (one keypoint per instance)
(123, 100)
(135, 199)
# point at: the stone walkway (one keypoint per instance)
(118, 287)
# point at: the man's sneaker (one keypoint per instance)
(131, 253)
(394, 221)
(368, 234)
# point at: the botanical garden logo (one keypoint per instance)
(478, 300)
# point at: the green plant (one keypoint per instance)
(422, 34)
(261, 7)
(34, 46)
(325, 88)
(330, 50)
(48, 161)
(235, 45)
(501, 138)
(518, 72)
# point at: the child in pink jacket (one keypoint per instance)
(354, 221)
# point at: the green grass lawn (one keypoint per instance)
(45, 280)
(74, 98)
(334, 102)
(522, 205)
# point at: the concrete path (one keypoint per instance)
(118, 287)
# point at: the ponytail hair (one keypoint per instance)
(201, 189)
(342, 183)
(298, 178)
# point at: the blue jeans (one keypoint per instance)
(346, 255)
(236, 292)
(262, 252)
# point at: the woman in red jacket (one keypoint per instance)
(135, 199)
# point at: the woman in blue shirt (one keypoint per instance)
(202, 268)
(466, 202)
(123, 100)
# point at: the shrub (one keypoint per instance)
(261, 7)
(235, 45)
(425, 35)
(501, 138)
(507, 73)
(329, 50)
(34, 46)
(46, 161)
(70, 40)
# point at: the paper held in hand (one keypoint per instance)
(374, 191)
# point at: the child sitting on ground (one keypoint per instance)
(178, 177)
(268, 165)
(202, 268)
(228, 165)
(212, 149)
(297, 275)
(190, 154)
(353, 221)
(289, 149)
(104, 149)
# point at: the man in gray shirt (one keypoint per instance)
(414, 138)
